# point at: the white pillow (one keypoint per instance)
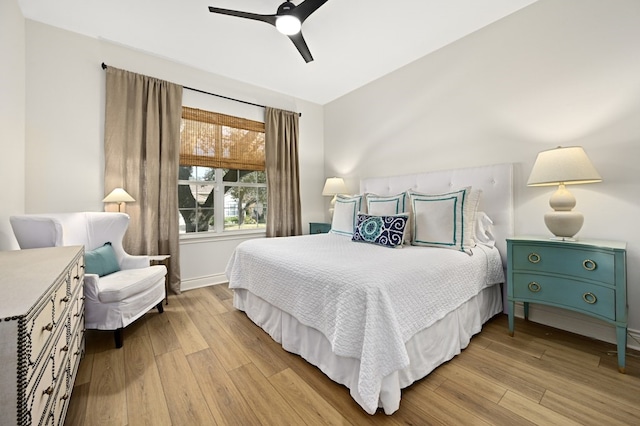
(388, 205)
(345, 214)
(380, 205)
(444, 220)
(484, 230)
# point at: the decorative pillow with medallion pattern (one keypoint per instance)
(387, 231)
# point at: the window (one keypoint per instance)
(222, 183)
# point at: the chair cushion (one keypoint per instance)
(125, 283)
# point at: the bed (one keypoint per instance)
(373, 318)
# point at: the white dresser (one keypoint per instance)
(41, 333)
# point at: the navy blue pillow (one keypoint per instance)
(387, 231)
(101, 261)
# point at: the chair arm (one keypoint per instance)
(135, 262)
(91, 289)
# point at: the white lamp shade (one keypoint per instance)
(566, 165)
(334, 186)
(563, 166)
(118, 195)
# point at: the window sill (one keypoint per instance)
(223, 236)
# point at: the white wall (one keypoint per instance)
(554, 73)
(12, 117)
(64, 137)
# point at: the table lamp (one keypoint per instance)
(334, 186)
(563, 166)
(119, 196)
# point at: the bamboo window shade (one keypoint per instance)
(210, 139)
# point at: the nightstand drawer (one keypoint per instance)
(565, 293)
(319, 228)
(574, 261)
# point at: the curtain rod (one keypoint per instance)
(104, 67)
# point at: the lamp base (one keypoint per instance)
(564, 224)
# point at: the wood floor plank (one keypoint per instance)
(465, 378)
(187, 333)
(187, 405)
(204, 301)
(534, 412)
(441, 408)
(256, 344)
(474, 402)
(226, 403)
(146, 403)
(305, 401)
(221, 340)
(491, 366)
(78, 405)
(587, 414)
(84, 369)
(108, 402)
(163, 337)
(267, 404)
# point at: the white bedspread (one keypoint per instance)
(367, 300)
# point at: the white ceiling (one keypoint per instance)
(353, 42)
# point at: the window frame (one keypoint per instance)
(219, 184)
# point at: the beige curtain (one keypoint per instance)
(283, 178)
(141, 145)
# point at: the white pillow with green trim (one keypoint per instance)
(388, 205)
(444, 220)
(345, 213)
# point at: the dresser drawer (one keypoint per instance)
(575, 261)
(565, 293)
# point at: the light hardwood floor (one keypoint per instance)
(204, 363)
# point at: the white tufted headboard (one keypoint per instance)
(496, 183)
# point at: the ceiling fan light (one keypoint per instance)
(288, 24)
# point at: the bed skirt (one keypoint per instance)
(427, 349)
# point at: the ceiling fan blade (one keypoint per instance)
(306, 8)
(302, 47)
(269, 19)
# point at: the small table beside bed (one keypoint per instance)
(375, 318)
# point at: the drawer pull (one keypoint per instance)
(65, 299)
(590, 298)
(64, 348)
(48, 391)
(589, 264)
(48, 327)
(534, 286)
(534, 257)
(64, 397)
(77, 277)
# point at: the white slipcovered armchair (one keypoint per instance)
(112, 301)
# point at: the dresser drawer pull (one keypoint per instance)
(48, 327)
(534, 257)
(590, 298)
(65, 299)
(48, 391)
(534, 286)
(64, 349)
(64, 397)
(589, 264)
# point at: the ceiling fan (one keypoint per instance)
(288, 20)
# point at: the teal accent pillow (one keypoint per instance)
(101, 261)
(387, 231)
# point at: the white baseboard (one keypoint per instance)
(193, 283)
(576, 323)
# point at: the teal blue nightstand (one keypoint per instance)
(319, 228)
(584, 276)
